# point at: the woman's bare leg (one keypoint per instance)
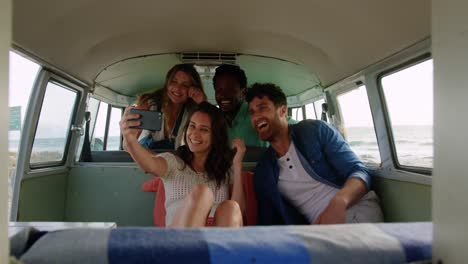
(195, 208)
(228, 214)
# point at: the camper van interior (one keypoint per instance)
(387, 75)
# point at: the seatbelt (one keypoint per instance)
(85, 155)
(177, 124)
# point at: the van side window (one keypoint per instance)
(314, 110)
(297, 113)
(99, 124)
(113, 135)
(408, 95)
(93, 107)
(104, 129)
(310, 111)
(53, 129)
(318, 107)
(357, 125)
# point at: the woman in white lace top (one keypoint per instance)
(198, 175)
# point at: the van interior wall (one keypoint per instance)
(112, 193)
(450, 49)
(43, 198)
(403, 201)
(109, 193)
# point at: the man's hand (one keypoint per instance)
(197, 94)
(335, 213)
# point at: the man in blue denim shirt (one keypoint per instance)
(309, 174)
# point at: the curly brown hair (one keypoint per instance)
(270, 90)
(219, 160)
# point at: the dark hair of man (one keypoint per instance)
(233, 70)
(219, 160)
(271, 91)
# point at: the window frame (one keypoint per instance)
(317, 105)
(313, 101)
(313, 107)
(109, 115)
(107, 125)
(388, 124)
(23, 170)
(79, 94)
(302, 109)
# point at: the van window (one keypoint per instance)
(113, 135)
(93, 107)
(297, 114)
(310, 111)
(105, 128)
(97, 141)
(318, 107)
(408, 96)
(53, 128)
(358, 125)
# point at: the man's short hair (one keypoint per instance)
(233, 70)
(270, 90)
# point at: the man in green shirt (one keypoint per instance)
(230, 84)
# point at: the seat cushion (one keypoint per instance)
(156, 185)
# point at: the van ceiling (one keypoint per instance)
(138, 75)
(332, 39)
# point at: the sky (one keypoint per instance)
(22, 75)
(23, 72)
(409, 97)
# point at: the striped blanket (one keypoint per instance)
(353, 243)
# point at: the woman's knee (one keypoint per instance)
(202, 193)
(229, 209)
(229, 206)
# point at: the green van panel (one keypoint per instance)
(109, 194)
(403, 201)
(43, 198)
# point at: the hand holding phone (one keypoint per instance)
(149, 120)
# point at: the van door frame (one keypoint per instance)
(23, 169)
(5, 40)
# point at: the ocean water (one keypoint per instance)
(414, 144)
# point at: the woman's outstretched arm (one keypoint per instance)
(143, 157)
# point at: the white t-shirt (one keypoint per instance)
(308, 195)
(179, 181)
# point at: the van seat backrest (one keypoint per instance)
(156, 185)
